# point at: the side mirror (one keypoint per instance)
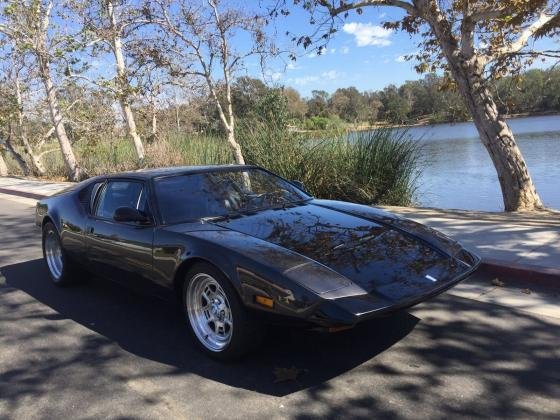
(128, 214)
(298, 184)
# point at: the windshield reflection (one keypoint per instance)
(224, 193)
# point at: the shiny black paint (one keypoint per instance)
(323, 262)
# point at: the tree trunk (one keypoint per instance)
(518, 191)
(38, 168)
(74, 171)
(131, 128)
(3, 166)
(17, 157)
(235, 148)
(154, 123)
(123, 83)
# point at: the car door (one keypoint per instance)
(121, 251)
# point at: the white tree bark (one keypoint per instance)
(123, 83)
(154, 123)
(3, 166)
(38, 167)
(16, 156)
(74, 171)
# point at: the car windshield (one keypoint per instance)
(222, 193)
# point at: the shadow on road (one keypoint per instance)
(154, 329)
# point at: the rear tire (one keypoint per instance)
(60, 268)
(216, 318)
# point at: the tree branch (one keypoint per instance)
(344, 7)
(523, 39)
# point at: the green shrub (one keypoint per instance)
(378, 166)
(323, 123)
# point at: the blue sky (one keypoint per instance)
(361, 54)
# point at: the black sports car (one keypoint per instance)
(242, 247)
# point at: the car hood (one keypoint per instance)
(380, 257)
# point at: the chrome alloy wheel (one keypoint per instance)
(209, 312)
(53, 254)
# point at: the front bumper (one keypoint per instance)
(349, 311)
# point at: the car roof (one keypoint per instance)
(172, 170)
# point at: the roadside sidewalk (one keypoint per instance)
(524, 246)
(30, 188)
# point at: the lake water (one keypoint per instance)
(459, 173)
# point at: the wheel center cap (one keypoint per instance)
(217, 308)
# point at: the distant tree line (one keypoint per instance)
(432, 99)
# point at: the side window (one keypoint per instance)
(118, 194)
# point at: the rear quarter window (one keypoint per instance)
(86, 196)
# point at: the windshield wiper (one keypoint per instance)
(227, 217)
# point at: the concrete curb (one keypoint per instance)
(545, 276)
(25, 194)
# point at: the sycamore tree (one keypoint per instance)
(474, 43)
(107, 27)
(194, 40)
(30, 26)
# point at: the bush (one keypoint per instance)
(323, 123)
(375, 167)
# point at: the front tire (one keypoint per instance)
(54, 256)
(217, 320)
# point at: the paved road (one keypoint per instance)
(98, 350)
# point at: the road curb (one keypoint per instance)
(24, 194)
(545, 276)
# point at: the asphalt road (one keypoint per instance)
(98, 350)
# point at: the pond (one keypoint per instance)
(459, 173)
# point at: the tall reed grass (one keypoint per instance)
(374, 167)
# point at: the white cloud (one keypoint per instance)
(305, 80)
(319, 79)
(368, 34)
(330, 75)
(345, 50)
(292, 66)
(400, 59)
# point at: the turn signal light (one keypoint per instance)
(337, 329)
(264, 301)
